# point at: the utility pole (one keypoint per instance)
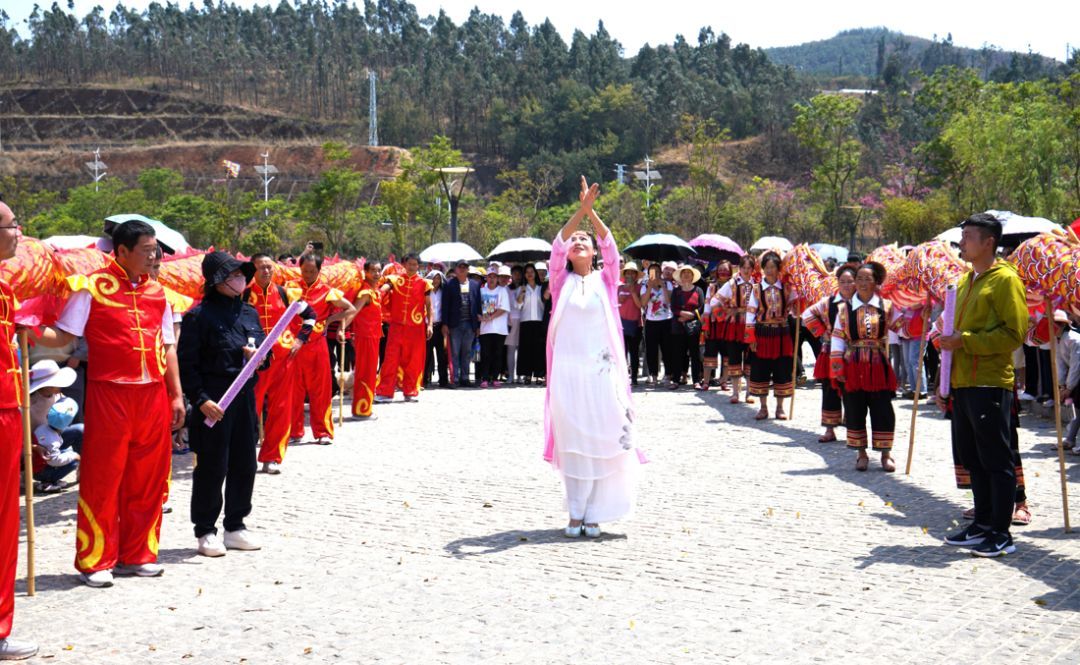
(373, 111)
(266, 171)
(620, 173)
(648, 175)
(98, 167)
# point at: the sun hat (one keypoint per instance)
(48, 373)
(631, 266)
(62, 412)
(504, 271)
(541, 265)
(694, 271)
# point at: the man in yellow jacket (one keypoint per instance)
(991, 318)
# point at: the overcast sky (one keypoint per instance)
(1044, 27)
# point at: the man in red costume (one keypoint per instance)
(312, 376)
(276, 386)
(367, 331)
(133, 401)
(410, 328)
(10, 447)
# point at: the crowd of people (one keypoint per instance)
(121, 370)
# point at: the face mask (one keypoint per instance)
(236, 284)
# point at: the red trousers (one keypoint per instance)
(403, 363)
(276, 389)
(10, 451)
(312, 380)
(365, 374)
(125, 465)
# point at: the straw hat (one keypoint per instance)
(692, 269)
(631, 266)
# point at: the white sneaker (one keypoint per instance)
(99, 579)
(272, 468)
(139, 569)
(381, 399)
(1026, 397)
(293, 440)
(16, 649)
(573, 531)
(241, 540)
(210, 545)
(592, 531)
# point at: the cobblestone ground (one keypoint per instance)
(433, 535)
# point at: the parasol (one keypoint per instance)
(521, 250)
(660, 247)
(715, 247)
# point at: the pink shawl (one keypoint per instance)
(557, 274)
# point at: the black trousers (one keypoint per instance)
(532, 353)
(436, 356)
(774, 373)
(878, 405)
(657, 345)
(981, 440)
(491, 348)
(832, 405)
(632, 342)
(686, 354)
(226, 455)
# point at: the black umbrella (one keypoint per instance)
(660, 247)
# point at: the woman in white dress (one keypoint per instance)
(588, 410)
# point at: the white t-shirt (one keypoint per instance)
(436, 306)
(655, 307)
(491, 301)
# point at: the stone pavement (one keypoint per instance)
(433, 535)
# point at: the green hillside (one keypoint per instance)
(864, 52)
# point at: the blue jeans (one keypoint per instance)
(461, 347)
(913, 366)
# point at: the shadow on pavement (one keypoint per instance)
(913, 506)
(506, 540)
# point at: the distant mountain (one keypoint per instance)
(866, 52)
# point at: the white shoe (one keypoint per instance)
(293, 440)
(1026, 397)
(573, 531)
(411, 398)
(140, 569)
(272, 468)
(16, 650)
(380, 399)
(210, 545)
(99, 579)
(241, 540)
(592, 531)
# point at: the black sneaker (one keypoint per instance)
(995, 545)
(973, 535)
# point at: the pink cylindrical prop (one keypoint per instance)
(947, 326)
(257, 359)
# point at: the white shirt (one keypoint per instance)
(435, 297)
(491, 301)
(656, 309)
(532, 306)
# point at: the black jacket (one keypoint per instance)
(210, 349)
(451, 303)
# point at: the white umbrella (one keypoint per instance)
(827, 251)
(773, 243)
(951, 236)
(70, 242)
(171, 241)
(449, 252)
(519, 250)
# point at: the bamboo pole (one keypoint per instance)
(918, 389)
(28, 465)
(795, 367)
(1057, 415)
(341, 377)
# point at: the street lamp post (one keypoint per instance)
(453, 190)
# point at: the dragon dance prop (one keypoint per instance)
(1057, 419)
(805, 273)
(28, 464)
(1049, 264)
(892, 259)
(257, 359)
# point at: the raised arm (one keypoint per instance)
(588, 197)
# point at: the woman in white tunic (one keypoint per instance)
(588, 411)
